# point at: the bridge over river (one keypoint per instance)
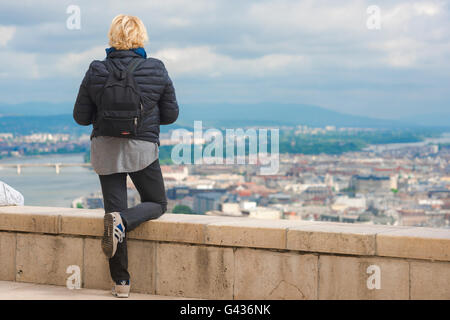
(57, 166)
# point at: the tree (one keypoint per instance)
(180, 208)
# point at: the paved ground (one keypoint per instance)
(10, 290)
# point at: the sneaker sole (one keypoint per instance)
(120, 295)
(107, 240)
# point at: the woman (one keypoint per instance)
(108, 88)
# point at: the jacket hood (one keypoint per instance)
(113, 53)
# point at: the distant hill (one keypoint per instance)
(236, 115)
(31, 124)
(59, 116)
(36, 108)
(430, 119)
(63, 123)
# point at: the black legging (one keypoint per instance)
(150, 185)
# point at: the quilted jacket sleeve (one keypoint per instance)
(168, 106)
(84, 109)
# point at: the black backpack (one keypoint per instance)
(120, 108)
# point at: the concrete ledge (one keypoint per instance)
(340, 238)
(30, 219)
(186, 228)
(418, 243)
(246, 233)
(327, 237)
(229, 258)
(81, 222)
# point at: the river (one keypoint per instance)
(41, 186)
(444, 138)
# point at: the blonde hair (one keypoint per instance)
(127, 32)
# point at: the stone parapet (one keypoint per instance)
(197, 256)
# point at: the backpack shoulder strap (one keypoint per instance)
(133, 64)
(109, 65)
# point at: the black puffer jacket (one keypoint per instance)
(158, 94)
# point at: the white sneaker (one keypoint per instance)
(121, 289)
(113, 233)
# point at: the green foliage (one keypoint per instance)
(180, 208)
(364, 217)
(336, 142)
(165, 154)
(87, 157)
(165, 162)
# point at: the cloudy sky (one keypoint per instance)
(309, 52)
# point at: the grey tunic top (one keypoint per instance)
(113, 155)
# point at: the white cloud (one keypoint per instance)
(179, 22)
(309, 49)
(44, 66)
(400, 52)
(309, 15)
(412, 35)
(17, 65)
(202, 60)
(190, 61)
(76, 64)
(403, 16)
(6, 34)
(426, 8)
